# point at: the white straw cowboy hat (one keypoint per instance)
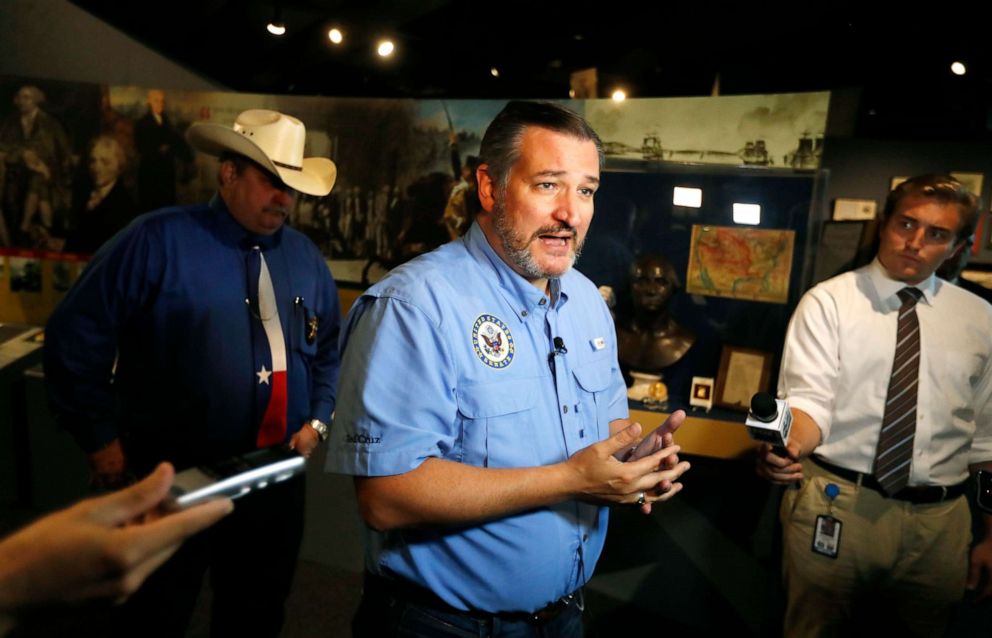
(273, 140)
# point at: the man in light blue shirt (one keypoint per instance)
(482, 410)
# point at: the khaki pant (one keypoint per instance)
(900, 566)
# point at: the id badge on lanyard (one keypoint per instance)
(826, 532)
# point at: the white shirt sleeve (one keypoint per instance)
(810, 360)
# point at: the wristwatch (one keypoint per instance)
(319, 427)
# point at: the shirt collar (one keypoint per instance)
(231, 232)
(522, 295)
(888, 288)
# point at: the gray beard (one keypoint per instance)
(517, 247)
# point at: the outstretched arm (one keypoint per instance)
(101, 547)
(809, 378)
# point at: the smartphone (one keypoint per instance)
(234, 477)
(984, 496)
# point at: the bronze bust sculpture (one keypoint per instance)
(650, 339)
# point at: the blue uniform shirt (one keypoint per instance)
(166, 296)
(448, 357)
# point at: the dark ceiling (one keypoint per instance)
(891, 72)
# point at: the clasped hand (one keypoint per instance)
(621, 468)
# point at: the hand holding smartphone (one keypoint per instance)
(234, 477)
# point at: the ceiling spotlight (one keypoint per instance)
(958, 68)
(619, 95)
(335, 36)
(276, 26)
(385, 48)
(494, 72)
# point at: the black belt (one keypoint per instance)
(376, 585)
(914, 495)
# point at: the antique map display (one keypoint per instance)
(753, 264)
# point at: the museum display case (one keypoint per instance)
(738, 283)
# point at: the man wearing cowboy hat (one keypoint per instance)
(202, 332)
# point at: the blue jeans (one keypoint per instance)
(379, 616)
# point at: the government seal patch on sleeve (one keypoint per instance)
(492, 341)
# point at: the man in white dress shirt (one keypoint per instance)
(877, 533)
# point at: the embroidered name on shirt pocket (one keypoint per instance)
(497, 423)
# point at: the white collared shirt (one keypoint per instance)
(838, 357)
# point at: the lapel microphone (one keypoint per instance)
(559, 349)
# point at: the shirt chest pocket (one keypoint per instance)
(955, 376)
(593, 382)
(498, 427)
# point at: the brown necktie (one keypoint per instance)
(895, 443)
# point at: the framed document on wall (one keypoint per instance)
(743, 373)
(856, 209)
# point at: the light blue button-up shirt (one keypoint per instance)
(450, 357)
